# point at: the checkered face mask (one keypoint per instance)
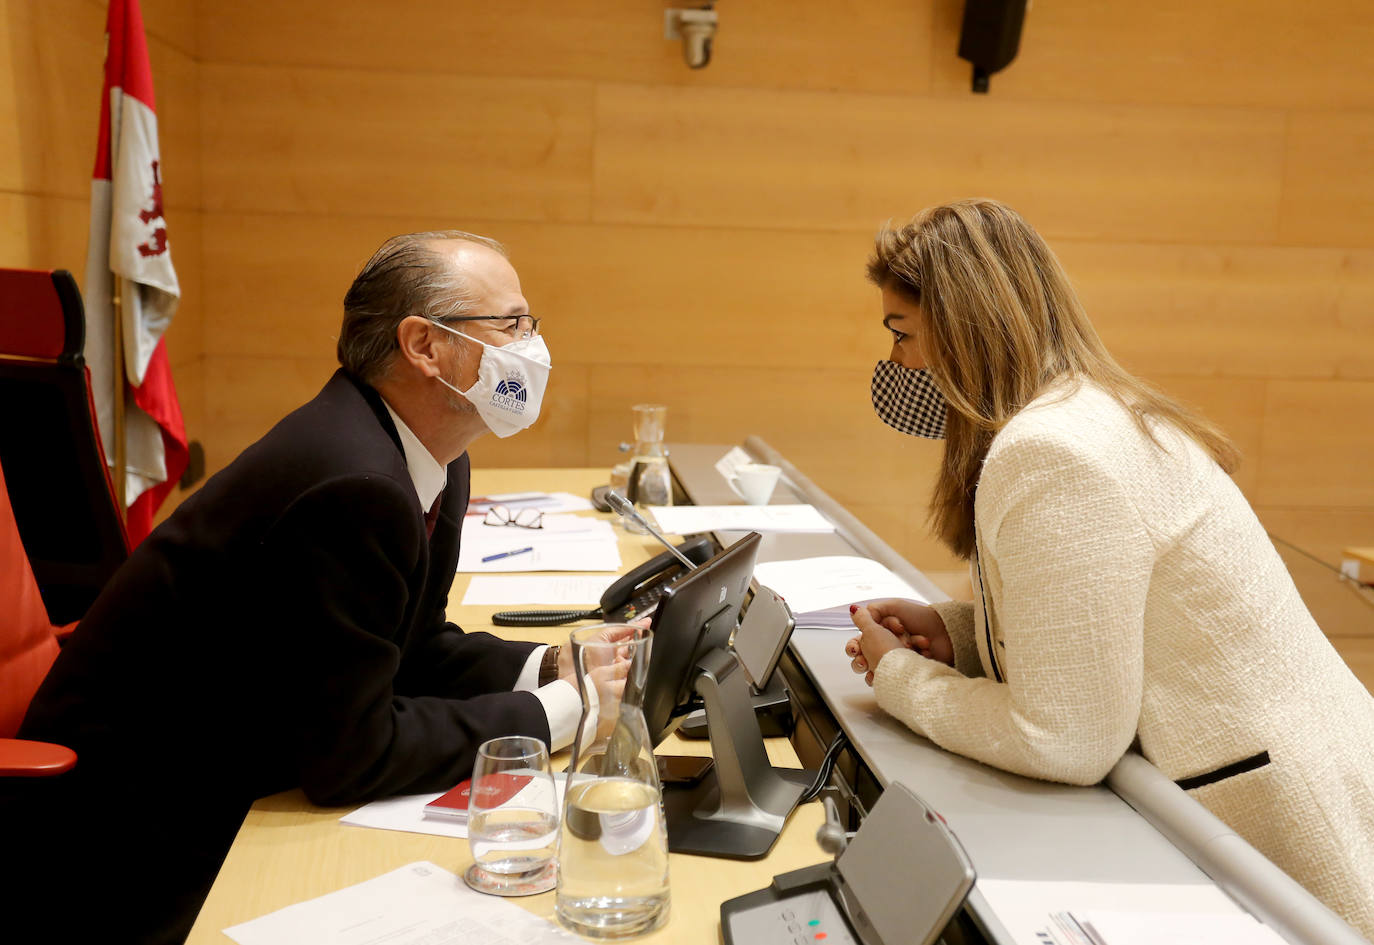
(907, 400)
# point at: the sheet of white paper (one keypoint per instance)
(732, 461)
(1143, 928)
(562, 591)
(547, 501)
(418, 904)
(693, 519)
(1025, 907)
(406, 812)
(809, 584)
(565, 543)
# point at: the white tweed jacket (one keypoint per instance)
(1125, 590)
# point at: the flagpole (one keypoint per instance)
(120, 450)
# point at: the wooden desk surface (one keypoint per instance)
(288, 850)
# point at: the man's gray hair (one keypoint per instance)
(406, 276)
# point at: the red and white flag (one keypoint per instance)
(129, 239)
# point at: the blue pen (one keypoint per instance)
(506, 554)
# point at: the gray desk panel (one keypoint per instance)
(1012, 827)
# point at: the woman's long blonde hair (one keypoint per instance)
(1002, 323)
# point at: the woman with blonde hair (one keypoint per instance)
(1124, 591)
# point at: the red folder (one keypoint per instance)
(454, 803)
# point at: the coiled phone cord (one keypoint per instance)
(542, 618)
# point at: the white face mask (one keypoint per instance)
(510, 383)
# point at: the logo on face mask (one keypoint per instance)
(510, 393)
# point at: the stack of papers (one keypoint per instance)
(565, 543)
(819, 588)
(695, 519)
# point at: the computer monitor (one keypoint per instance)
(740, 806)
(695, 615)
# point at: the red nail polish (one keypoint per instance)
(853, 608)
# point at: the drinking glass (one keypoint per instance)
(512, 818)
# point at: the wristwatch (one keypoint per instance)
(548, 666)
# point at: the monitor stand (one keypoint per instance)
(739, 808)
(772, 710)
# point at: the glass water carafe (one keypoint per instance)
(613, 844)
(650, 482)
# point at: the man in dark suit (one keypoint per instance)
(285, 627)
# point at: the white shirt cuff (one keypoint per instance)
(528, 680)
(563, 706)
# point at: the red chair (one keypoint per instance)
(28, 646)
(59, 482)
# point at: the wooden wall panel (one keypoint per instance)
(609, 294)
(1233, 52)
(674, 156)
(1234, 404)
(277, 284)
(1324, 532)
(49, 144)
(56, 49)
(245, 397)
(703, 297)
(1228, 310)
(1316, 447)
(877, 45)
(351, 142)
(699, 237)
(739, 297)
(38, 232)
(1328, 192)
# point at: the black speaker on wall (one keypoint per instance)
(991, 36)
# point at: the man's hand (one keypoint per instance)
(611, 634)
(887, 624)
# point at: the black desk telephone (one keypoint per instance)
(633, 595)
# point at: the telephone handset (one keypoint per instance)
(638, 591)
(634, 593)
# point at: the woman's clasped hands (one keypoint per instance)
(887, 625)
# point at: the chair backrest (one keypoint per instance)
(28, 644)
(59, 484)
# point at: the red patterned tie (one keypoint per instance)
(432, 515)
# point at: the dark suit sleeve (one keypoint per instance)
(345, 563)
(448, 661)
(443, 659)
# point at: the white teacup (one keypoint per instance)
(754, 482)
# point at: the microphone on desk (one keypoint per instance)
(622, 507)
(831, 835)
